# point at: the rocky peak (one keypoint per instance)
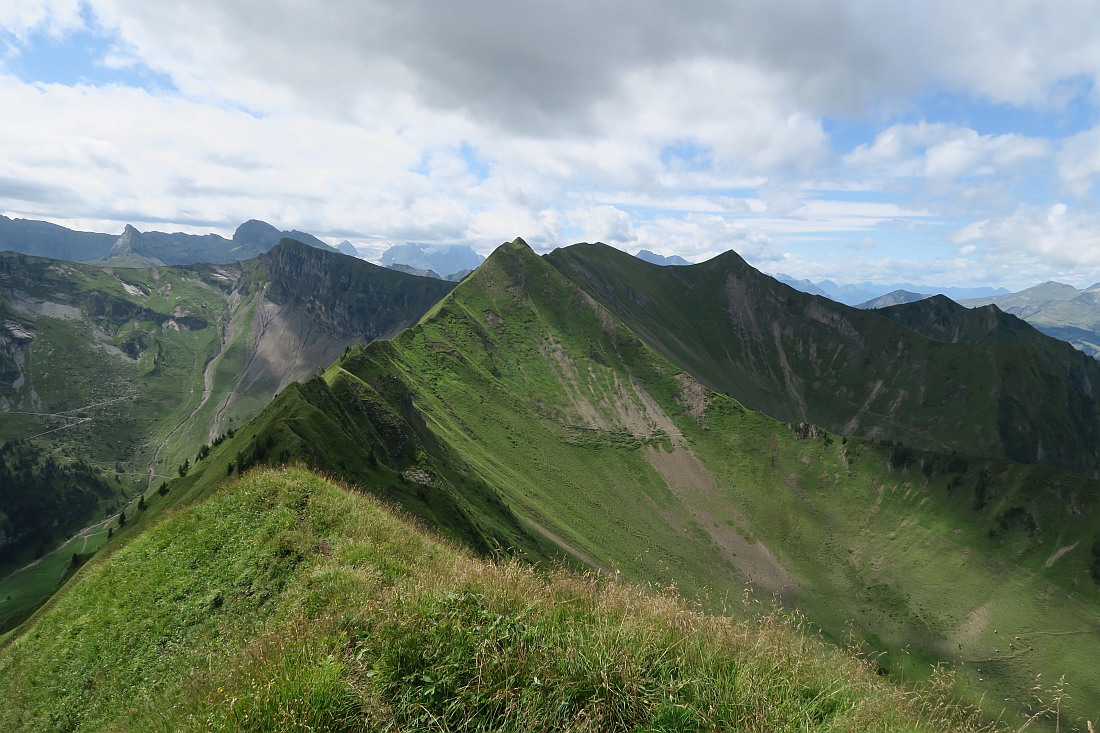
(128, 243)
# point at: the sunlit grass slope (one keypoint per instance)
(286, 603)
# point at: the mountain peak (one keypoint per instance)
(896, 297)
(656, 259)
(255, 231)
(128, 242)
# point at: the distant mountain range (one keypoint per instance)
(143, 249)
(860, 293)
(1056, 309)
(896, 297)
(656, 259)
(441, 261)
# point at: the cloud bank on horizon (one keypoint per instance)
(937, 142)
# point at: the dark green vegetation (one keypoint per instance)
(44, 500)
(519, 415)
(994, 387)
(121, 376)
(285, 603)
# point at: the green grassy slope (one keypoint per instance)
(133, 371)
(104, 362)
(799, 357)
(284, 602)
(520, 414)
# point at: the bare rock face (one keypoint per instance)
(129, 243)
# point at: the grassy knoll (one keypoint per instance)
(284, 602)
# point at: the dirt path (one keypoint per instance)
(83, 534)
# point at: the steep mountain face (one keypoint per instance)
(521, 413)
(132, 370)
(804, 358)
(942, 319)
(310, 305)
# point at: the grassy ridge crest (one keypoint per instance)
(285, 602)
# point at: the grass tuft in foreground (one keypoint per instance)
(285, 603)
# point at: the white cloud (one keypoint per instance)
(349, 118)
(54, 17)
(1079, 161)
(1056, 238)
(942, 152)
(605, 224)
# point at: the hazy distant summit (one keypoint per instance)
(656, 259)
(859, 294)
(134, 248)
(439, 260)
(897, 297)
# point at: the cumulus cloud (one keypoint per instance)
(53, 17)
(1079, 162)
(945, 152)
(534, 66)
(1030, 238)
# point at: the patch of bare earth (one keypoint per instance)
(1058, 554)
(604, 404)
(694, 396)
(568, 376)
(970, 633)
(693, 484)
(583, 557)
(852, 424)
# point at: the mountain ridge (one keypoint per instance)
(799, 357)
(133, 248)
(530, 416)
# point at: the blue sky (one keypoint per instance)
(930, 143)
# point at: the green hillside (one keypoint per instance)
(125, 374)
(800, 357)
(286, 603)
(520, 415)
